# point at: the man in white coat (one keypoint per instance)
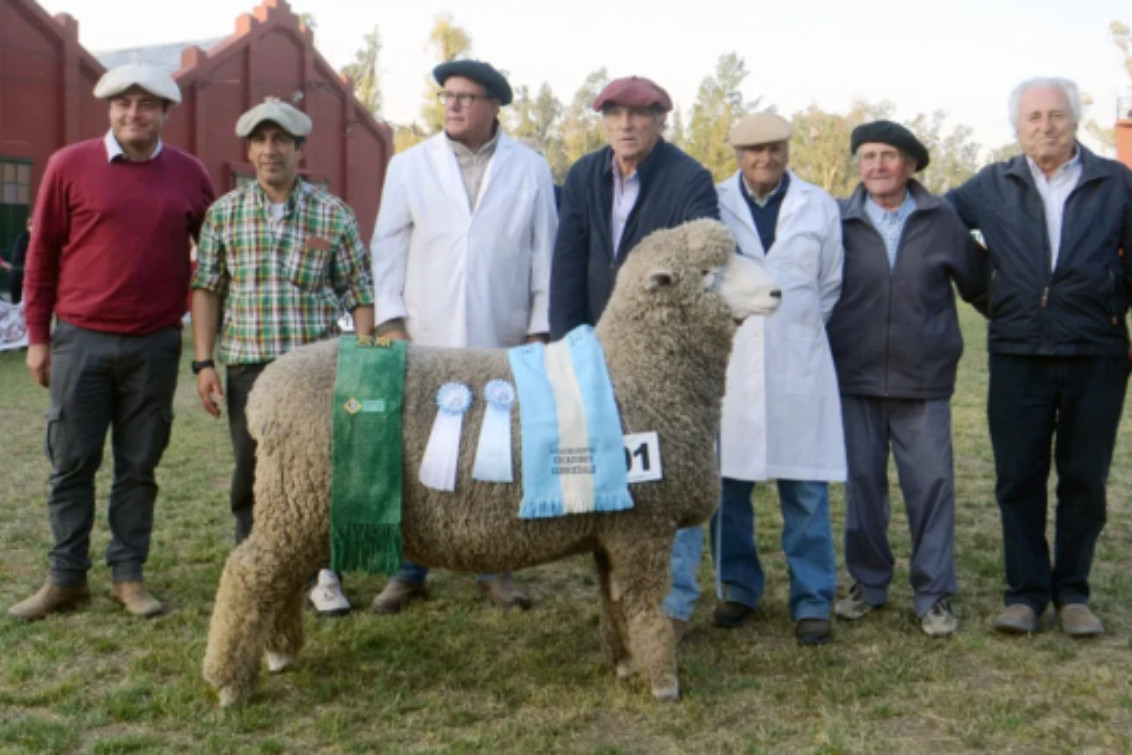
(781, 411)
(461, 251)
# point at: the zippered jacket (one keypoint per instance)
(895, 333)
(1078, 308)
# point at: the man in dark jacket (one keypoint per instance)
(896, 343)
(1058, 223)
(616, 196)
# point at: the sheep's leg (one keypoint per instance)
(240, 617)
(612, 624)
(639, 580)
(285, 639)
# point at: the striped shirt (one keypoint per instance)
(284, 282)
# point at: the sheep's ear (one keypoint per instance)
(658, 278)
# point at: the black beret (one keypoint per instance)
(477, 71)
(887, 132)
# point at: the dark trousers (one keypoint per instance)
(919, 433)
(241, 378)
(1072, 404)
(99, 381)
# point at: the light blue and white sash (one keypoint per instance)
(572, 452)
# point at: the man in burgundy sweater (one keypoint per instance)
(110, 259)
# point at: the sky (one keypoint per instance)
(962, 56)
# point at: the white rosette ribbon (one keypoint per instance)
(493, 453)
(442, 455)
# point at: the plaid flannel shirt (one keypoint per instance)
(284, 283)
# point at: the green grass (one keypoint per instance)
(456, 675)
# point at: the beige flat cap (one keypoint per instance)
(150, 78)
(759, 128)
(292, 120)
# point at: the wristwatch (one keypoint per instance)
(203, 365)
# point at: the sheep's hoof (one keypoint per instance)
(229, 697)
(626, 669)
(668, 693)
(277, 663)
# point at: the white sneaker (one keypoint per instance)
(854, 606)
(941, 620)
(326, 595)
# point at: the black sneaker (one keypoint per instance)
(731, 614)
(813, 631)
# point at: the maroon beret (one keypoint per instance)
(633, 91)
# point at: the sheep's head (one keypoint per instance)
(696, 262)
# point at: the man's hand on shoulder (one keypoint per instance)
(39, 363)
(210, 391)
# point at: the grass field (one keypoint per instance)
(455, 675)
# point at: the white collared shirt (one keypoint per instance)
(625, 195)
(1054, 192)
(114, 150)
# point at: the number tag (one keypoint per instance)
(642, 457)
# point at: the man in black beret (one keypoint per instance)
(896, 345)
(461, 251)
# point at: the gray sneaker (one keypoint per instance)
(941, 620)
(853, 606)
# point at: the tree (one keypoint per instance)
(719, 104)
(582, 130)
(536, 119)
(954, 158)
(1002, 153)
(1122, 38)
(819, 150)
(363, 73)
(450, 42)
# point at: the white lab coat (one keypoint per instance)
(782, 408)
(462, 278)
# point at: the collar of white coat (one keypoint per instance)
(730, 198)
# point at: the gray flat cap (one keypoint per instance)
(759, 128)
(292, 120)
(150, 78)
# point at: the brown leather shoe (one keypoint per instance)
(49, 599)
(1017, 618)
(1078, 621)
(504, 593)
(398, 594)
(136, 598)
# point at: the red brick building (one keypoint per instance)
(46, 81)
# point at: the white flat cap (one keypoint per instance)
(759, 128)
(292, 120)
(150, 78)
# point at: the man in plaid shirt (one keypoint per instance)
(282, 259)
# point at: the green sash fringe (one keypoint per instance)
(365, 494)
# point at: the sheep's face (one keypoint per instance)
(696, 262)
(747, 287)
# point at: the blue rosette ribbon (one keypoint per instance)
(493, 452)
(442, 455)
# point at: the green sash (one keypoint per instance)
(365, 495)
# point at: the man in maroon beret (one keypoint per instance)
(616, 196)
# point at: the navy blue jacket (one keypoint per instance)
(674, 189)
(1079, 308)
(894, 332)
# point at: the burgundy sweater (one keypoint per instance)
(110, 250)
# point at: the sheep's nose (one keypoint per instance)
(776, 294)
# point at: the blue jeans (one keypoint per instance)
(807, 540)
(416, 574)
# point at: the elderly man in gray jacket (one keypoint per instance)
(896, 344)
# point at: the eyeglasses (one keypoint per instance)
(464, 98)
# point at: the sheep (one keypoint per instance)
(666, 333)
